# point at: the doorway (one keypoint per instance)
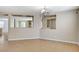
(3, 30)
(1, 27)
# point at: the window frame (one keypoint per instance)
(49, 27)
(20, 26)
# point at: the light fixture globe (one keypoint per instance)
(43, 11)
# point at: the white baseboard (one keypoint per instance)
(62, 41)
(21, 39)
(45, 39)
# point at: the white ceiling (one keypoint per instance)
(34, 9)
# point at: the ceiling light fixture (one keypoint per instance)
(44, 11)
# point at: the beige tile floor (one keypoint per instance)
(38, 46)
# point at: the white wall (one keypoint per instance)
(5, 26)
(28, 33)
(66, 28)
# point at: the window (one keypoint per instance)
(29, 24)
(51, 22)
(21, 22)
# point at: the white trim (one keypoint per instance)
(44, 39)
(21, 39)
(63, 41)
